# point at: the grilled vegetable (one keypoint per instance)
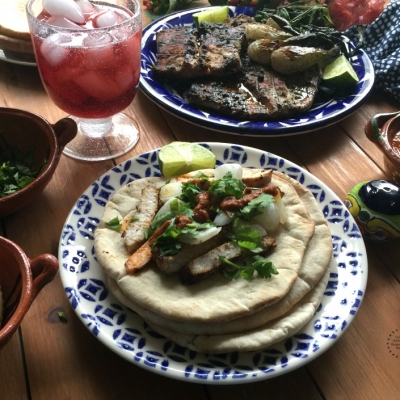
(288, 60)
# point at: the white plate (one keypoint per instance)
(14, 59)
(125, 333)
(323, 112)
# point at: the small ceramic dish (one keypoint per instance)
(21, 279)
(26, 131)
(384, 131)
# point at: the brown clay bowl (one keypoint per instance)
(384, 131)
(21, 279)
(27, 130)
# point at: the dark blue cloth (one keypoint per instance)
(382, 44)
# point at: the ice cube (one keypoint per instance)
(63, 22)
(105, 19)
(64, 8)
(98, 53)
(97, 39)
(85, 6)
(98, 85)
(53, 49)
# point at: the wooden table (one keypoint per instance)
(51, 359)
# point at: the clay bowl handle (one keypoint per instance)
(44, 269)
(374, 126)
(65, 130)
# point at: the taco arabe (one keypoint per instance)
(215, 256)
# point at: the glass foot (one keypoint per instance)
(102, 139)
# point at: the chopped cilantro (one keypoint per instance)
(114, 224)
(264, 267)
(252, 209)
(62, 315)
(16, 169)
(189, 193)
(227, 186)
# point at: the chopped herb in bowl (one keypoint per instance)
(17, 169)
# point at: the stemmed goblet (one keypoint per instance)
(88, 56)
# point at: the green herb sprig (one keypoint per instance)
(264, 267)
(17, 169)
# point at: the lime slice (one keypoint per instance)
(180, 158)
(340, 73)
(218, 14)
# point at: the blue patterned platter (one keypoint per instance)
(323, 112)
(125, 333)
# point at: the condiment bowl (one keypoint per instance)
(384, 131)
(21, 279)
(26, 131)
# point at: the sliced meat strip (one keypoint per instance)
(173, 264)
(147, 209)
(143, 254)
(257, 178)
(208, 263)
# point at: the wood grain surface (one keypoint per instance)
(51, 359)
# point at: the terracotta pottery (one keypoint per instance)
(21, 279)
(384, 131)
(27, 130)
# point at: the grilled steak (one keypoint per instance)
(258, 93)
(210, 50)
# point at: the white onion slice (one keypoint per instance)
(270, 217)
(171, 189)
(200, 237)
(222, 219)
(235, 169)
(166, 207)
(282, 208)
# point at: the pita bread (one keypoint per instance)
(213, 299)
(13, 19)
(314, 264)
(259, 338)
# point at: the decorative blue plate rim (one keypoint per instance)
(321, 114)
(126, 334)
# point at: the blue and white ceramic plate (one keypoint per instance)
(322, 113)
(125, 333)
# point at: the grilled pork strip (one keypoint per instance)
(205, 265)
(143, 255)
(208, 263)
(134, 235)
(173, 264)
(210, 50)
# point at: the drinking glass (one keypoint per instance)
(92, 74)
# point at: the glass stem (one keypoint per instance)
(95, 127)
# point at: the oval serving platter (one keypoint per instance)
(125, 333)
(322, 113)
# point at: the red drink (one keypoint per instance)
(91, 73)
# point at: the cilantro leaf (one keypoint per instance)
(114, 224)
(227, 186)
(252, 208)
(16, 169)
(264, 267)
(189, 193)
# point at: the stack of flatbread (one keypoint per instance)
(217, 315)
(15, 38)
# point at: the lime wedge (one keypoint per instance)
(340, 73)
(218, 14)
(180, 158)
